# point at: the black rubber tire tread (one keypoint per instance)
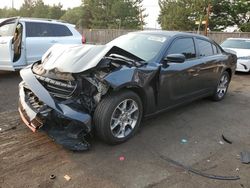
(215, 95)
(104, 112)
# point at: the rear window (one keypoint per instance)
(241, 44)
(7, 29)
(205, 48)
(35, 29)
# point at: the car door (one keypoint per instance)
(39, 38)
(7, 30)
(179, 82)
(211, 64)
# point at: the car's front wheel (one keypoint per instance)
(222, 87)
(118, 116)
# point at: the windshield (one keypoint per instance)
(7, 29)
(144, 46)
(241, 44)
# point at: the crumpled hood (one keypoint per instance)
(74, 58)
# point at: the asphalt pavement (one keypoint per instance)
(190, 135)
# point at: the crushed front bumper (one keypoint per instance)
(29, 116)
(40, 111)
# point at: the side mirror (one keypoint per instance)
(175, 58)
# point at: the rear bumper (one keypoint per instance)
(39, 110)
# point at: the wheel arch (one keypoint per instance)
(146, 94)
(138, 90)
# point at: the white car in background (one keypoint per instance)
(24, 40)
(242, 48)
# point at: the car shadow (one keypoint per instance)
(9, 74)
(242, 73)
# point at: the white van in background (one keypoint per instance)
(24, 40)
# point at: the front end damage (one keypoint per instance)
(40, 110)
(62, 102)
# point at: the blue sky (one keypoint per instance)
(152, 8)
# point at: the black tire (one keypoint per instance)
(108, 107)
(219, 94)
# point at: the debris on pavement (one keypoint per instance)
(226, 140)
(242, 185)
(221, 143)
(67, 177)
(237, 169)
(245, 157)
(184, 141)
(52, 176)
(121, 158)
(198, 172)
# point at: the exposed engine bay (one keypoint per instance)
(85, 89)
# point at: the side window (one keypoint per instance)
(60, 30)
(216, 49)
(183, 46)
(205, 48)
(35, 29)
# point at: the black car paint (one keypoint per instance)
(175, 83)
(161, 85)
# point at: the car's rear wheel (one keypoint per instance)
(222, 87)
(118, 116)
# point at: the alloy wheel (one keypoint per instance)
(124, 118)
(222, 87)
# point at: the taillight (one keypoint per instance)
(83, 39)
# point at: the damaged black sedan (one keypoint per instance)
(107, 89)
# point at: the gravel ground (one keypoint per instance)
(29, 159)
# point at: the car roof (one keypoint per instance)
(172, 33)
(43, 20)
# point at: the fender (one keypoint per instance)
(141, 80)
